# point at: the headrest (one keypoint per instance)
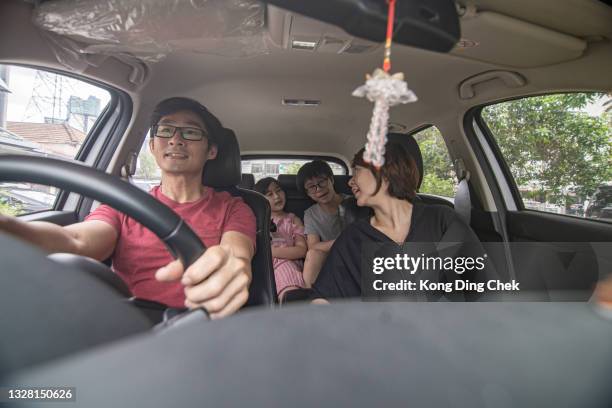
(247, 181)
(224, 170)
(288, 182)
(341, 184)
(413, 149)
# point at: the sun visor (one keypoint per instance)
(84, 32)
(507, 41)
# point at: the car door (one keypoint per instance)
(544, 157)
(54, 114)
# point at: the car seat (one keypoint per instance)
(224, 174)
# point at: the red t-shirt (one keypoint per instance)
(139, 253)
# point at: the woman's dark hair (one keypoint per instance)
(400, 171)
(178, 104)
(262, 185)
(315, 168)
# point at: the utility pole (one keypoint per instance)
(48, 97)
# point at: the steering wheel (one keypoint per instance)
(51, 308)
(178, 237)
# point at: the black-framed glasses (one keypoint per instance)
(188, 133)
(311, 189)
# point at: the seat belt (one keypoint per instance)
(463, 201)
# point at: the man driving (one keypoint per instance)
(184, 136)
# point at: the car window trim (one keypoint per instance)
(499, 216)
(116, 129)
(498, 165)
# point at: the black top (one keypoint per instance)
(341, 275)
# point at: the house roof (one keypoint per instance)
(46, 133)
(10, 139)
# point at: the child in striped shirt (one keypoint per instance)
(288, 241)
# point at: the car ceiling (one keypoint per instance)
(553, 45)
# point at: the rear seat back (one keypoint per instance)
(297, 202)
(341, 185)
(247, 181)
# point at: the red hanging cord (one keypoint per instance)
(390, 19)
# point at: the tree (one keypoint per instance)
(9, 209)
(438, 173)
(432, 184)
(552, 145)
(291, 168)
(147, 167)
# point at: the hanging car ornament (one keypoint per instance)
(385, 90)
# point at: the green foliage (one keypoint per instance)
(291, 168)
(147, 167)
(553, 146)
(8, 209)
(432, 184)
(439, 175)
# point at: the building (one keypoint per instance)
(56, 139)
(11, 143)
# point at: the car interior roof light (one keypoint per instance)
(303, 45)
(301, 102)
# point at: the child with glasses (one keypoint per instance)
(325, 220)
(288, 242)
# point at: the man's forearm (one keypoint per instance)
(238, 244)
(48, 236)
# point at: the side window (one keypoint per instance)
(148, 174)
(559, 151)
(272, 167)
(438, 171)
(43, 114)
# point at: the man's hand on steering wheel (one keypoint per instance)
(219, 279)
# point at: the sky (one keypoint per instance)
(21, 83)
(597, 108)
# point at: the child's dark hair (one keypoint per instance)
(315, 168)
(262, 185)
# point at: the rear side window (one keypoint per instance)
(148, 174)
(272, 167)
(43, 114)
(438, 172)
(558, 149)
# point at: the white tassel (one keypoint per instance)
(385, 91)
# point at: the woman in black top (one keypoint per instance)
(398, 218)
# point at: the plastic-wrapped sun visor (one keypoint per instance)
(149, 30)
